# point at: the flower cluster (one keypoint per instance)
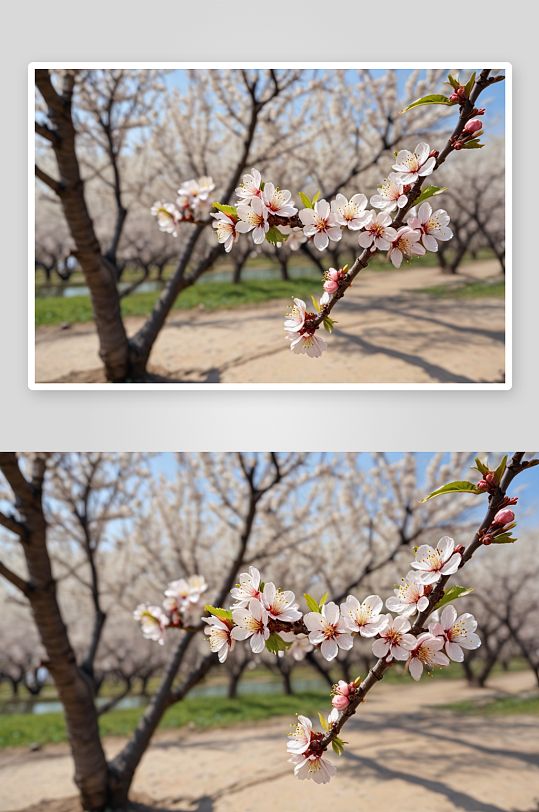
(181, 608)
(191, 205)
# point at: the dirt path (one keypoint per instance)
(402, 754)
(386, 333)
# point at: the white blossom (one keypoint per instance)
(248, 588)
(414, 165)
(256, 217)
(432, 227)
(277, 201)
(320, 224)
(301, 645)
(394, 642)
(391, 194)
(221, 639)
(405, 243)
(410, 597)
(456, 633)
(309, 343)
(153, 622)
(250, 187)
(432, 564)
(350, 213)
(296, 318)
(251, 623)
(229, 229)
(364, 618)
(167, 217)
(426, 653)
(378, 232)
(280, 605)
(308, 764)
(329, 630)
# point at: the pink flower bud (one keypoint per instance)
(472, 126)
(482, 485)
(461, 92)
(343, 687)
(504, 516)
(491, 479)
(454, 98)
(330, 286)
(333, 274)
(340, 702)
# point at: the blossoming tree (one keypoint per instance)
(309, 522)
(425, 631)
(307, 129)
(402, 222)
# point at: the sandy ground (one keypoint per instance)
(386, 333)
(403, 754)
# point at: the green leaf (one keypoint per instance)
(504, 538)
(328, 325)
(311, 603)
(474, 144)
(453, 487)
(224, 614)
(482, 467)
(469, 84)
(499, 472)
(315, 198)
(274, 236)
(337, 746)
(452, 594)
(430, 191)
(261, 586)
(323, 599)
(262, 184)
(323, 721)
(453, 82)
(275, 643)
(227, 209)
(306, 201)
(316, 305)
(433, 99)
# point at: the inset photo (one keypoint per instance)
(212, 632)
(223, 225)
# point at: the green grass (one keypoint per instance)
(497, 706)
(468, 290)
(58, 309)
(23, 729)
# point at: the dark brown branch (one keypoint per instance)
(363, 260)
(46, 132)
(55, 185)
(12, 524)
(24, 586)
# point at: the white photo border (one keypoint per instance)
(33, 385)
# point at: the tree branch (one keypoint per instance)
(24, 586)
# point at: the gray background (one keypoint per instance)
(276, 30)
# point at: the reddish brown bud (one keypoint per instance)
(434, 153)
(428, 589)
(487, 540)
(490, 478)
(459, 548)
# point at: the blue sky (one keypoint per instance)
(526, 486)
(493, 99)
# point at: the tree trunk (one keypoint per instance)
(287, 683)
(113, 347)
(74, 691)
